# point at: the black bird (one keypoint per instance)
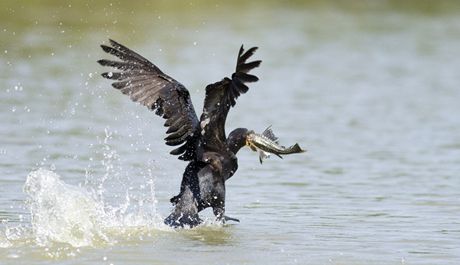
(202, 142)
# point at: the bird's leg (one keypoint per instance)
(219, 212)
(185, 211)
(218, 201)
(221, 217)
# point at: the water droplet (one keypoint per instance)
(110, 74)
(194, 43)
(6, 51)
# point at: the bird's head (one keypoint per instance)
(238, 139)
(241, 137)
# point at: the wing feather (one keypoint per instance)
(146, 84)
(221, 96)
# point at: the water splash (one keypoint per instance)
(110, 157)
(63, 213)
(4, 242)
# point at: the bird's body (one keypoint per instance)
(203, 142)
(203, 186)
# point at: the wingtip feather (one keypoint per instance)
(106, 48)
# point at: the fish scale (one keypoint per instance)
(267, 142)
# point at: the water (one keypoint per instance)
(370, 89)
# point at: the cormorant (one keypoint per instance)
(203, 142)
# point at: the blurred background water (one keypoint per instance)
(370, 88)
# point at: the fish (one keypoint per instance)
(267, 143)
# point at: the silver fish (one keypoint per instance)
(267, 142)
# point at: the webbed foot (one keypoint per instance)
(228, 218)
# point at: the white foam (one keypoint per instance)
(61, 212)
(4, 242)
(69, 214)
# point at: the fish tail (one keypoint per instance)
(295, 149)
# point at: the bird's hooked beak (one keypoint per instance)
(250, 140)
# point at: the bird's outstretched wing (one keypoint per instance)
(145, 83)
(221, 96)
